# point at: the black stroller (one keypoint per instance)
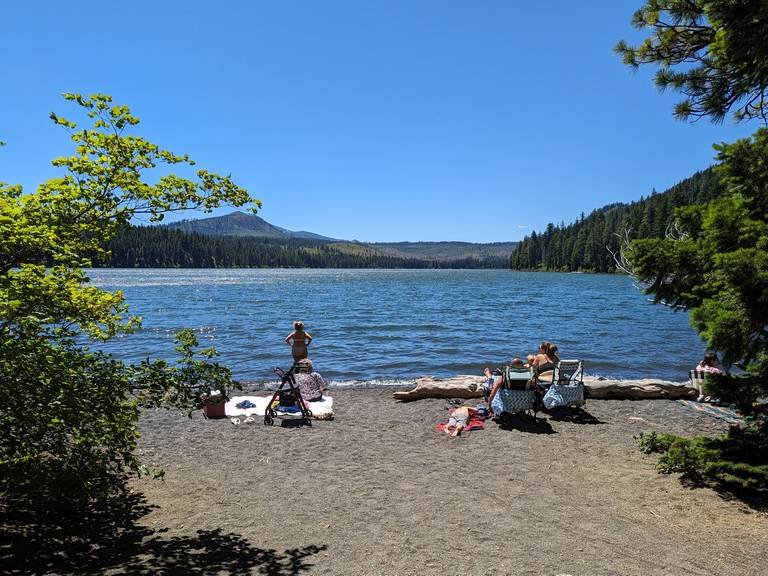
(290, 396)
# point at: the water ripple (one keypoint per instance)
(395, 325)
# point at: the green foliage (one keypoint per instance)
(653, 442)
(716, 266)
(68, 418)
(737, 461)
(67, 427)
(160, 247)
(712, 51)
(718, 269)
(162, 385)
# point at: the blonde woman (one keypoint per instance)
(298, 340)
(545, 360)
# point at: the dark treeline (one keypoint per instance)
(587, 243)
(160, 247)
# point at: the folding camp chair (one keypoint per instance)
(566, 387)
(517, 393)
(696, 379)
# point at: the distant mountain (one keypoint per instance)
(494, 255)
(304, 234)
(240, 224)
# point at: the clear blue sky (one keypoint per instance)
(370, 120)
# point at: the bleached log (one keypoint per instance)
(647, 388)
(455, 387)
(472, 386)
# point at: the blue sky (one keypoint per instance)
(376, 121)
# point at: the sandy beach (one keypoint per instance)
(379, 491)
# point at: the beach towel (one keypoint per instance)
(476, 422)
(322, 410)
(721, 412)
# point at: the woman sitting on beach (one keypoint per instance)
(710, 364)
(545, 360)
(298, 340)
(310, 383)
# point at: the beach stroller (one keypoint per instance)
(517, 394)
(566, 387)
(290, 404)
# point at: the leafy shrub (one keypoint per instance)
(737, 461)
(651, 442)
(70, 429)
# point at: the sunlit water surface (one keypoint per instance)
(386, 326)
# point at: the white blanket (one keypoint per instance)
(321, 410)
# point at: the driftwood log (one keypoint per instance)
(647, 388)
(456, 387)
(472, 387)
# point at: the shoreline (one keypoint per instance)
(397, 383)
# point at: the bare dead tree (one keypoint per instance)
(675, 232)
(623, 264)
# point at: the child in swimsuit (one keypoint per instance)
(459, 420)
(298, 341)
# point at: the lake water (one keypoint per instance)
(392, 325)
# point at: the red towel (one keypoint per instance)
(475, 423)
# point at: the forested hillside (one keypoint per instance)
(587, 244)
(446, 250)
(161, 247)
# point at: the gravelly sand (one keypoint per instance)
(379, 491)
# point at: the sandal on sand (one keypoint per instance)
(249, 420)
(235, 421)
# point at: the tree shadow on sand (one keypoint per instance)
(573, 415)
(108, 539)
(524, 423)
(755, 500)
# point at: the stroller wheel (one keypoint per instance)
(268, 421)
(308, 421)
(308, 414)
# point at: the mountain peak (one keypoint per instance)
(239, 223)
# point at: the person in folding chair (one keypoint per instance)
(513, 392)
(309, 382)
(545, 361)
(493, 379)
(708, 365)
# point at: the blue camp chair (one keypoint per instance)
(517, 393)
(566, 387)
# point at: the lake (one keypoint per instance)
(386, 326)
